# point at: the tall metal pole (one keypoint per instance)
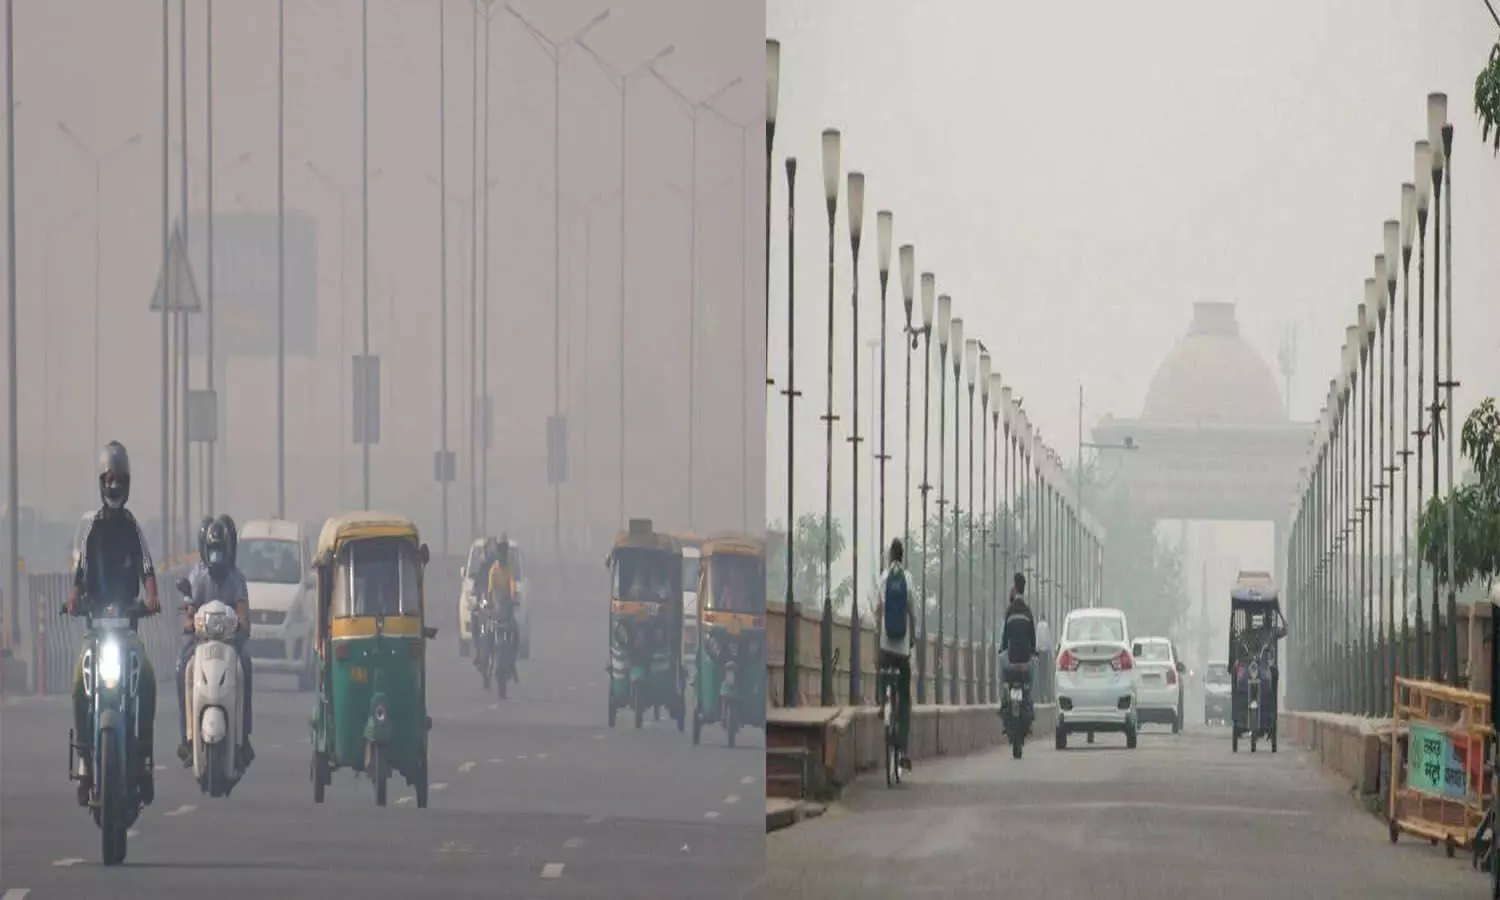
(1408, 220)
(624, 113)
(692, 343)
(1423, 187)
(212, 337)
(486, 404)
(958, 351)
(183, 508)
(443, 264)
(166, 156)
(744, 341)
(364, 278)
(475, 411)
(556, 290)
(13, 438)
(855, 215)
(1448, 384)
(790, 689)
(281, 259)
(939, 664)
(984, 540)
(1439, 663)
(831, 141)
(969, 680)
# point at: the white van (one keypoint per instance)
(276, 561)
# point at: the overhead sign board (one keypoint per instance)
(245, 282)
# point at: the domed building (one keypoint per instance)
(1213, 375)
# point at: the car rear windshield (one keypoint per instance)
(1155, 651)
(1095, 628)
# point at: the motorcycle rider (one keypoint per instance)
(114, 562)
(896, 643)
(1018, 640)
(215, 577)
(503, 600)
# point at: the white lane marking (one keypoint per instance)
(593, 820)
(1171, 807)
(494, 706)
(133, 832)
(402, 801)
(160, 768)
(732, 798)
(552, 870)
(64, 863)
(573, 843)
(522, 756)
(496, 759)
(711, 814)
(748, 779)
(541, 756)
(440, 786)
(465, 767)
(180, 811)
(15, 894)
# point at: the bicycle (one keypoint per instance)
(888, 699)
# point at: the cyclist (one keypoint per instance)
(899, 636)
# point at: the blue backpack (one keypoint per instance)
(895, 603)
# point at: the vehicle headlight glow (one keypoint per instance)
(109, 664)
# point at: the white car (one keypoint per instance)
(1216, 693)
(1096, 685)
(274, 558)
(1159, 671)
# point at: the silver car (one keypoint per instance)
(1096, 684)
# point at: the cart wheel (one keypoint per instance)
(1234, 741)
(421, 779)
(697, 726)
(1395, 832)
(1449, 847)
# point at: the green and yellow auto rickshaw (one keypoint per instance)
(371, 641)
(729, 687)
(645, 624)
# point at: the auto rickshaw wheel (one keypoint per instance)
(502, 685)
(731, 723)
(640, 713)
(420, 782)
(1273, 740)
(1252, 741)
(697, 726)
(1449, 847)
(319, 777)
(613, 710)
(1234, 739)
(378, 774)
(1395, 832)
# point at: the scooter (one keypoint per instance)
(215, 700)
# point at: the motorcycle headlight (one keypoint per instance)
(109, 664)
(380, 713)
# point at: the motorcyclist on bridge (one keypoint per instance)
(1018, 640)
(215, 577)
(501, 588)
(114, 562)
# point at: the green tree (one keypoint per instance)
(807, 565)
(1487, 98)
(1476, 508)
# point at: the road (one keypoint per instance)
(1176, 817)
(532, 796)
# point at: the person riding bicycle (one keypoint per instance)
(114, 564)
(1018, 640)
(894, 609)
(501, 590)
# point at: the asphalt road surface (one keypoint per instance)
(1177, 817)
(532, 797)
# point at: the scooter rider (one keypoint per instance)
(114, 563)
(1018, 639)
(215, 577)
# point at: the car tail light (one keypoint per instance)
(1122, 661)
(1171, 676)
(1067, 661)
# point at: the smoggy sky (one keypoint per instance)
(1077, 175)
(97, 66)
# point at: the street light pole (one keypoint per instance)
(475, 411)
(1391, 232)
(856, 216)
(166, 157)
(956, 339)
(1422, 159)
(929, 287)
(364, 279)
(281, 262)
(944, 325)
(622, 79)
(1449, 384)
(773, 79)
(1408, 225)
(791, 683)
(985, 669)
(14, 444)
(831, 196)
(442, 467)
(971, 364)
(884, 223)
(1437, 113)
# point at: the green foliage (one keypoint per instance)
(1475, 508)
(807, 565)
(1487, 99)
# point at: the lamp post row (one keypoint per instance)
(1352, 575)
(1028, 515)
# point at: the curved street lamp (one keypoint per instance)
(971, 367)
(1422, 165)
(831, 196)
(1408, 228)
(956, 339)
(773, 94)
(985, 669)
(856, 216)
(929, 289)
(944, 326)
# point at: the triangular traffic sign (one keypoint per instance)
(182, 287)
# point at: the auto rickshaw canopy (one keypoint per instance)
(355, 526)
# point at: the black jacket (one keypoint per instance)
(1018, 640)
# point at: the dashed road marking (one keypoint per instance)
(711, 814)
(496, 759)
(64, 863)
(402, 801)
(522, 756)
(573, 843)
(748, 779)
(15, 894)
(541, 756)
(465, 767)
(180, 811)
(552, 870)
(133, 832)
(732, 798)
(440, 786)
(159, 767)
(593, 820)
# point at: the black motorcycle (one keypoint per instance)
(1015, 709)
(111, 682)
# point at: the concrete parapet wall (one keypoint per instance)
(1347, 746)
